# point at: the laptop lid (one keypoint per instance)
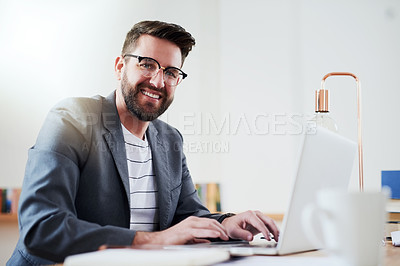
(325, 160)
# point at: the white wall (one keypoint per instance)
(258, 84)
(274, 55)
(255, 64)
(361, 37)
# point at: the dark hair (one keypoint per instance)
(163, 30)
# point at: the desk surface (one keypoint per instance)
(311, 258)
(391, 254)
(392, 258)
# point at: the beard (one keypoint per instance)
(147, 111)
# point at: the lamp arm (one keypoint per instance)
(360, 147)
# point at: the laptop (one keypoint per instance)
(325, 160)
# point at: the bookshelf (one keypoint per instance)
(393, 216)
(8, 218)
(9, 198)
(393, 211)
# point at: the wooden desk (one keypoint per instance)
(391, 254)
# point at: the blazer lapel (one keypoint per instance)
(115, 139)
(160, 167)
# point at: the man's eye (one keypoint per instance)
(148, 66)
(171, 73)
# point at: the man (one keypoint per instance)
(107, 171)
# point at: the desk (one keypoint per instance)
(311, 258)
(392, 254)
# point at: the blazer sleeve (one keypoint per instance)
(49, 226)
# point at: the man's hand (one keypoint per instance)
(247, 224)
(191, 230)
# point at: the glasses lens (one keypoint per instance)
(172, 76)
(148, 66)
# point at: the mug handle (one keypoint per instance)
(310, 213)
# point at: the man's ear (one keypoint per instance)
(119, 64)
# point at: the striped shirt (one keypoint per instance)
(142, 184)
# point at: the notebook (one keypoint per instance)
(148, 257)
(325, 159)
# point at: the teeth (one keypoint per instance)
(154, 96)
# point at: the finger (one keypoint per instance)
(241, 233)
(206, 233)
(270, 223)
(252, 219)
(199, 241)
(210, 225)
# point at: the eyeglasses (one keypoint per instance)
(149, 67)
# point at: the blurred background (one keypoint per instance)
(251, 83)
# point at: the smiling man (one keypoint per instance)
(106, 171)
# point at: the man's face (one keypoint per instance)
(148, 97)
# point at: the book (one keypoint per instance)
(150, 256)
(209, 194)
(1, 200)
(393, 205)
(9, 200)
(4, 200)
(15, 200)
(391, 180)
(393, 209)
(393, 217)
(213, 198)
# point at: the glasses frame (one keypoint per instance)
(140, 58)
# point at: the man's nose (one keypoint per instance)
(158, 80)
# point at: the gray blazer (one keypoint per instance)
(75, 195)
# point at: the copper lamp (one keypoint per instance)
(321, 105)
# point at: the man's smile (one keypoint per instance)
(149, 94)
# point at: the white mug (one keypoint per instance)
(351, 225)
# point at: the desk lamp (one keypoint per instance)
(322, 107)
